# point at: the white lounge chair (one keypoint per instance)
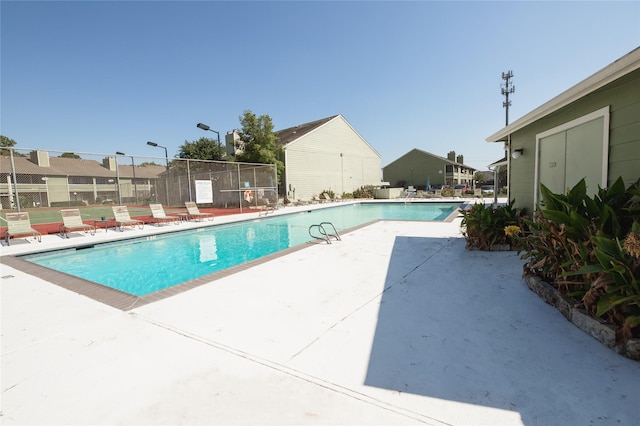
(159, 216)
(194, 212)
(19, 225)
(72, 221)
(123, 219)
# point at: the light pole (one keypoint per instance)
(166, 160)
(133, 172)
(207, 128)
(135, 185)
(118, 177)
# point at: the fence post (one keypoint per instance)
(189, 180)
(16, 196)
(239, 189)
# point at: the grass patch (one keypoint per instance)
(46, 215)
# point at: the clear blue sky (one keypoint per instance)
(93, 76)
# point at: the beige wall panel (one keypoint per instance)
(314, 163)
(58, 189)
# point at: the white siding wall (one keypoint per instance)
(314, 163)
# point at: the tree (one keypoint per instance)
(258, 141)
(6, 142)
(202, 149)
(69, 155)
(480, 178)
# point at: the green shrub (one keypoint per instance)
(589, 249)
(447, 192)
(330, 193)
(483, 225)
(367, 191)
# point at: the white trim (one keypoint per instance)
(601, 113)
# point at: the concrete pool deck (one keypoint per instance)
(395, 324)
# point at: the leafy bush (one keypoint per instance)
(330, 193)
(589, 249)
(447, 192)
(367, 191)
(484, 225)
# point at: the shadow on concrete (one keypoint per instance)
(462, 326)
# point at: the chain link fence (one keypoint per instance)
(35, 179)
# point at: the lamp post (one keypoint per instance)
(207, 128)
(118, 177)
(133, 172)
(166, 159)
(135, 185)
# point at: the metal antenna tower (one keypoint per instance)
(507, 88)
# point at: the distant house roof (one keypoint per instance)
(446, 160)
(292, 134)
(148, 171)
(60, 166)
(500, 162)
(289, 135)
(623, 66)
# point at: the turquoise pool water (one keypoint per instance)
(145, 265)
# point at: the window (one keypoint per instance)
(80, 180)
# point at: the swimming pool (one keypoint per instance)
(148, 264)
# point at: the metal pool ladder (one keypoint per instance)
(266, 211)
(322, 232)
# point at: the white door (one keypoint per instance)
(574, 151)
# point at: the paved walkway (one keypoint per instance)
(395, 324)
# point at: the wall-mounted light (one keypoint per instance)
(517, 153)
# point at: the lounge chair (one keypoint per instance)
(194, 212)
(123, 219)
(72, 221)
(19, 225)
(159, 216)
